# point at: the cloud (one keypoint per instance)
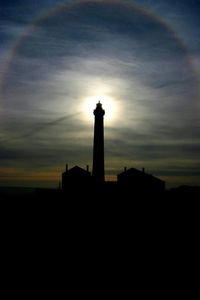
(39, 127)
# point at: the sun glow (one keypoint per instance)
(108, 104)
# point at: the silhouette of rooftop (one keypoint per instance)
(132, 172)
(76, 170)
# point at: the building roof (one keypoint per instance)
(134, 172)
(131, 171)
(77, 170)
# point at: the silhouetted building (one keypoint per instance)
(98, 147)
(76, 177)
(136, 180)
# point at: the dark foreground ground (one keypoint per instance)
(97, 201)
(100, 214)
(106, 193)
(120, 235)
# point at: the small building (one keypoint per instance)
(75, 177)
(136, 180)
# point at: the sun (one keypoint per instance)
(108, 104)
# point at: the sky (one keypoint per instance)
(140, 58)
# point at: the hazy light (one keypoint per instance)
(108, 104)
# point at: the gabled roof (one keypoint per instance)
(77, 170)
(134, 172)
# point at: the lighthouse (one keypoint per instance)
(98, 146)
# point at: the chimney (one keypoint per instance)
(87, 168)
(66, 168)
(125, 169)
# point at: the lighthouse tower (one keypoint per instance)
(98, 147)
